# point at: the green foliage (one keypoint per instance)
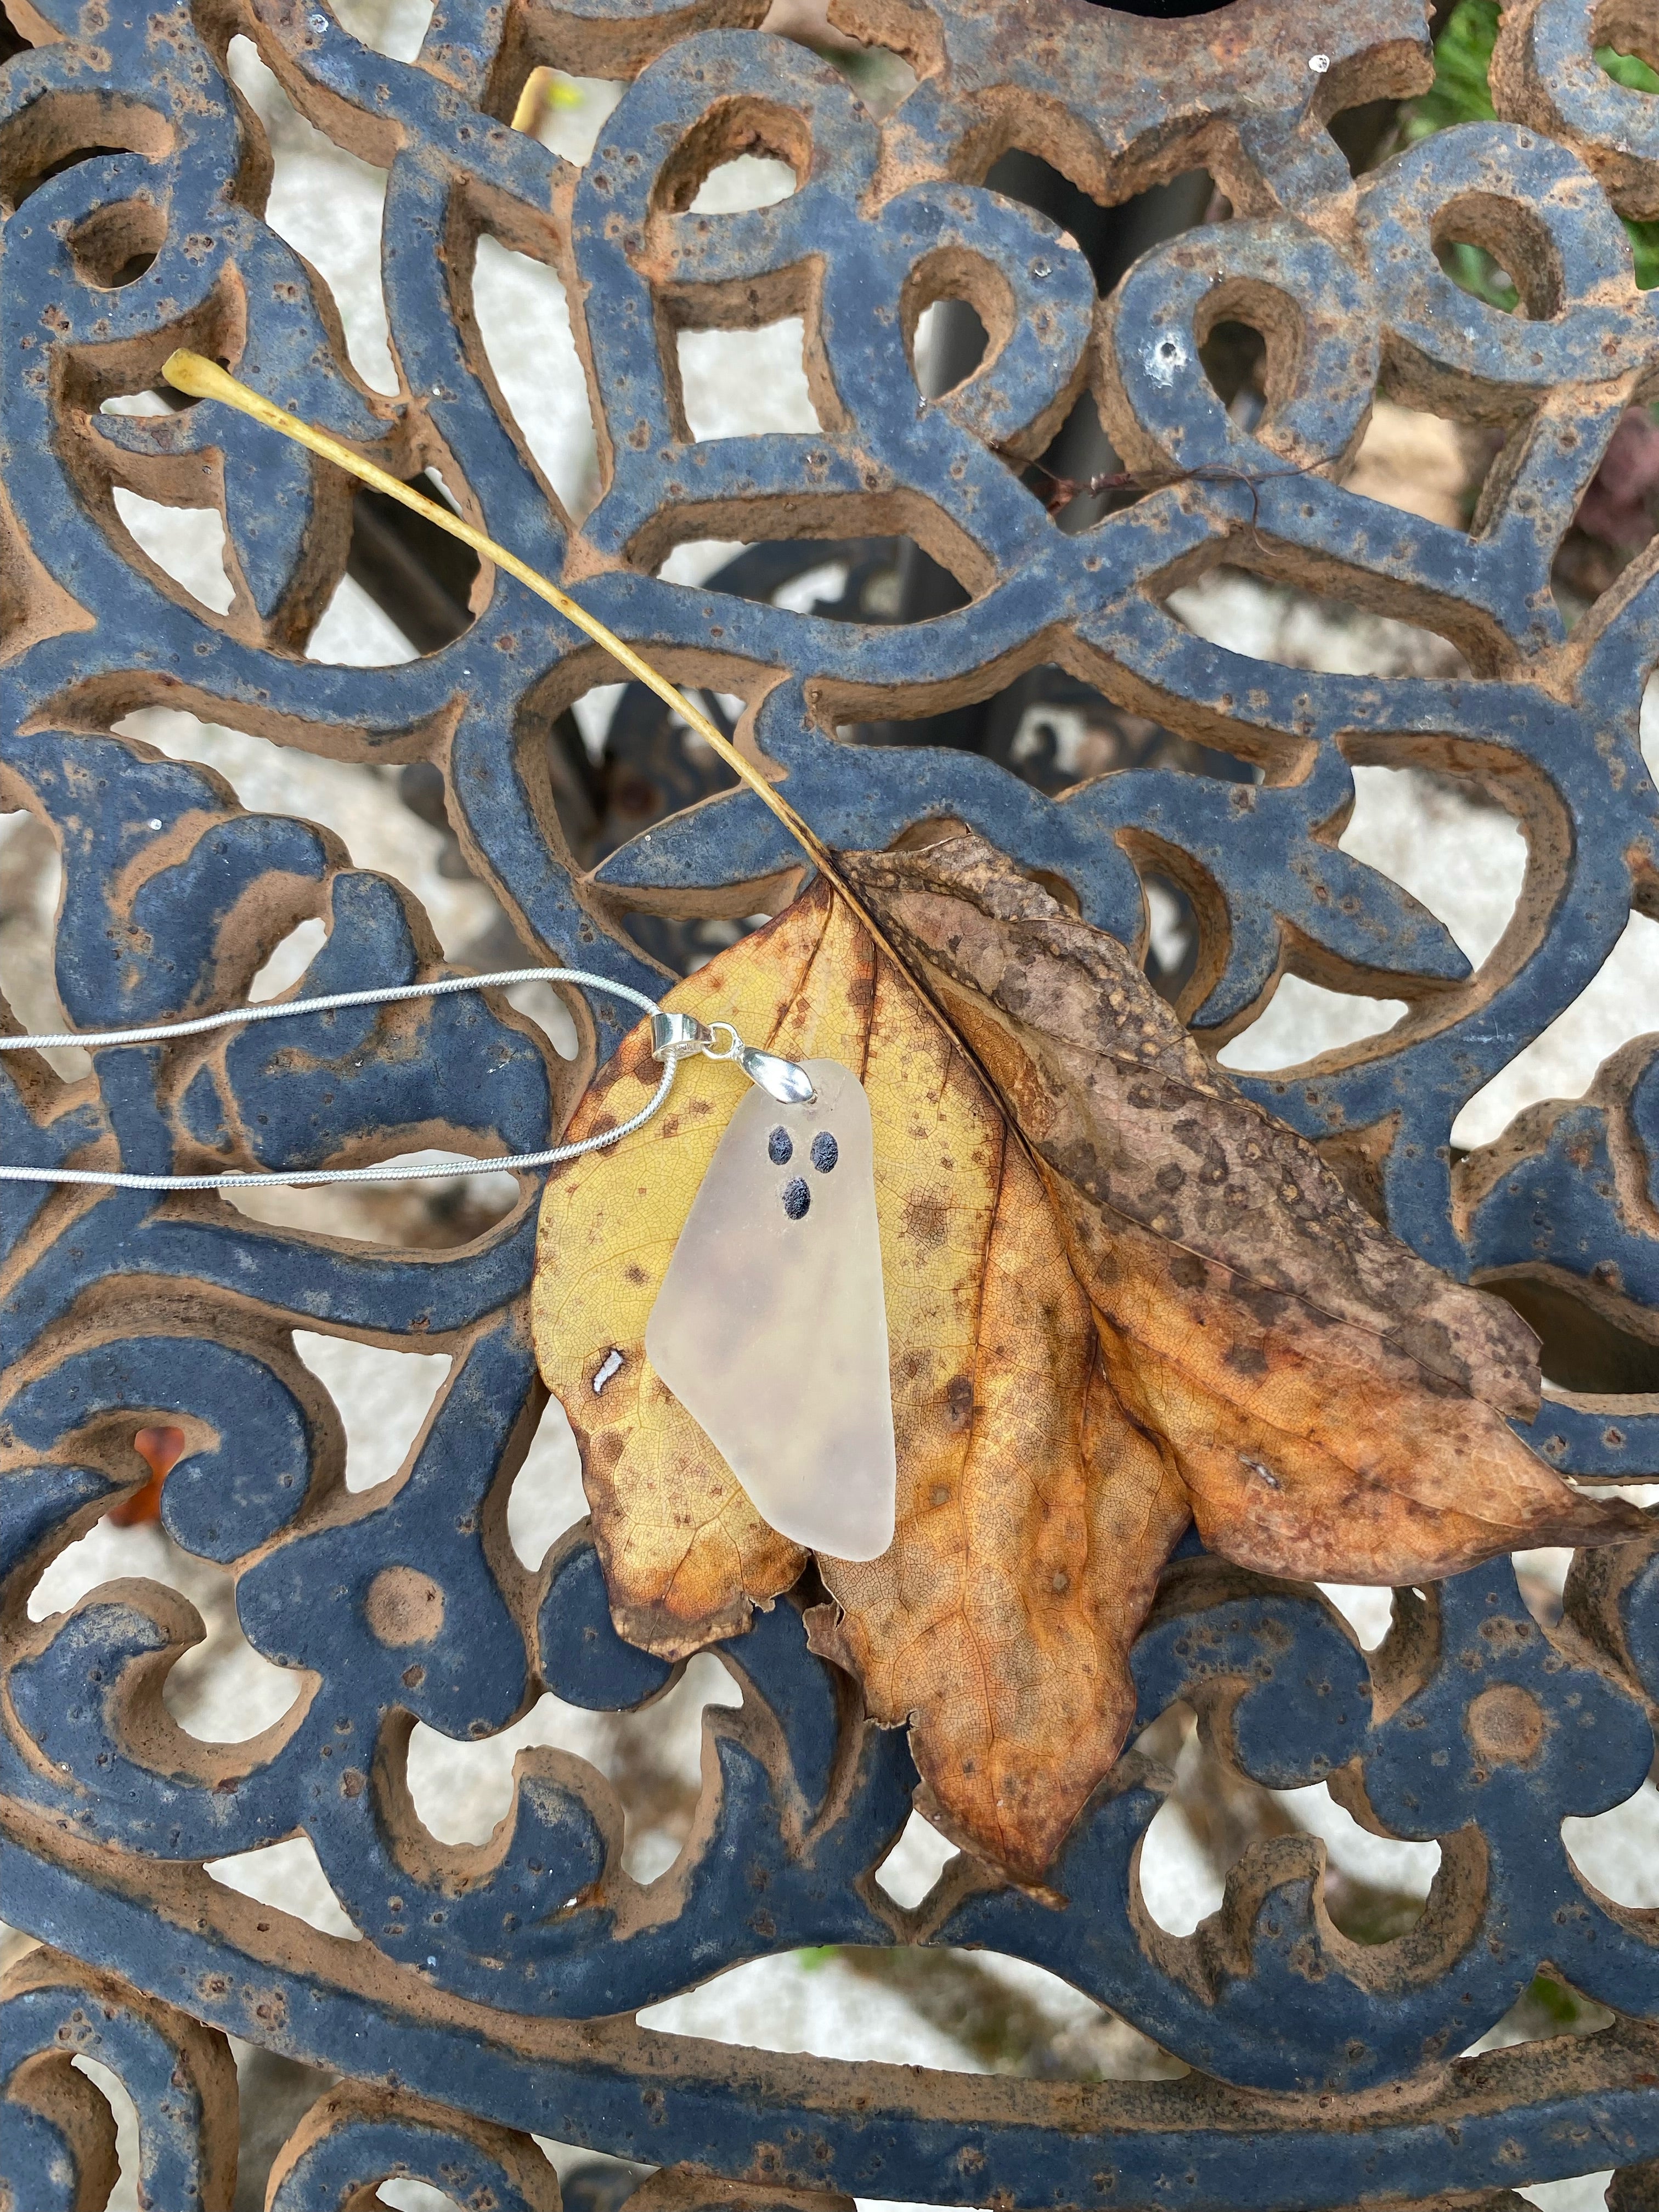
(1559, 2005)
(1463, 60)
(1644, 238)
(1462, 94)
(1628, 69)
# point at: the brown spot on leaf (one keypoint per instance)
(1247, 1359)
(926, 1221)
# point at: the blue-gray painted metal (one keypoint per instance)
(1326, 2071)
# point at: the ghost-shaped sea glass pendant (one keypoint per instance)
(771, 1327)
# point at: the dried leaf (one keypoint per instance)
(1337, 1405)
(1161, 1303)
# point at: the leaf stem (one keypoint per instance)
(202, 378)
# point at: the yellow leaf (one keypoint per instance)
(1143, 1301)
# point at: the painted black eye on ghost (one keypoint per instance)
(778, 1150)
(825, 1151)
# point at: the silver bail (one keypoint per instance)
(780, 1079)
(675, 1035)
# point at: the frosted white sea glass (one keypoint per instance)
(771, 1327)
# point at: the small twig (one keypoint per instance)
(1063, 491)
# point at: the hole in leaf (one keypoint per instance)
(288, 1877)
(1621, 1001)
(185, 543)
(742, 383)
(547, 1496)
(383, 1399)
(654, 1758)
(1292, 629)
(1301, 1021)
(288, 961)
(524, 319)
(1461, 854)
(329, 206)
(915, 1861)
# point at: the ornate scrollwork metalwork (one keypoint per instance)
(499, 1979)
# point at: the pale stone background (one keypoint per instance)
(1460, 856)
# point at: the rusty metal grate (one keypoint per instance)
(491, 1992)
